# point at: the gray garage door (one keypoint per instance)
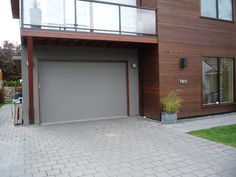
(71, 91)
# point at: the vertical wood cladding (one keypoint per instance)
(182, 33)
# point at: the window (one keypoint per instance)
(225, 9)
(218, 9)
(218, 80)
(208, 8)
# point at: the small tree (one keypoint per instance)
(10, 68)
(172, 102)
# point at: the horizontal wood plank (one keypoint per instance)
(183, 33)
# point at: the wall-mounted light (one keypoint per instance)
(184, 62)
(133, 65)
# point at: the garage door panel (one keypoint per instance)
(71, 91)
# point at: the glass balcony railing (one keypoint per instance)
(88, 16)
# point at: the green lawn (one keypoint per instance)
(7, 101)
(224, 134)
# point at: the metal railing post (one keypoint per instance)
(76, 15)
(91, 17)
(156, 22)
(22, 14)
(120, 19)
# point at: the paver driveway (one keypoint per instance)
(122, 147)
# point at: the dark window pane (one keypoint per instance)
(226, 80)
(225, 10)
(208, 8)
(210, 81)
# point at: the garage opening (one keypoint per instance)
(79, 91)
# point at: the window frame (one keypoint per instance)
(217, 13)
(218, 76)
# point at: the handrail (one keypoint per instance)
(119, 4)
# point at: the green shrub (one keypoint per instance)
(172, 102)
(12, 83)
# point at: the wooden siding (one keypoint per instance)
(83, 43)
(30, 79)
(183, 33)
(149, 82)
(149, 3)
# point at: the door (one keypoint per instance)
(78, 91)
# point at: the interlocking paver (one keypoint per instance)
(63, 175)
(76, 173)
(40, 174)
(122, 147)
(53, 172)
(204, 122)
(100, 175)
(174, 172)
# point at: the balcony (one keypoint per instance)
(85, 19)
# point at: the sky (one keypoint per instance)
(9, 27)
